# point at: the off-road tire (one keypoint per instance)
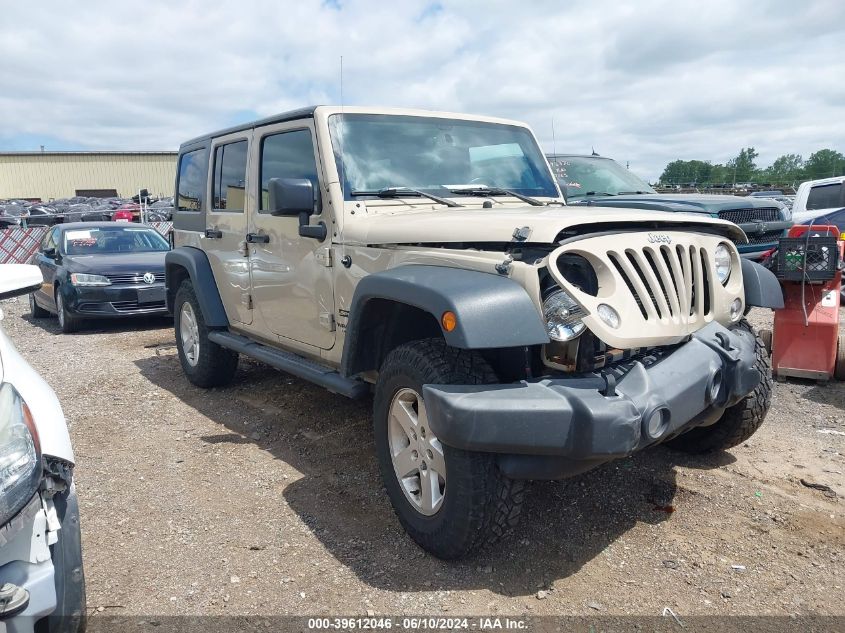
(68, 323)
(36, 310)
(480, 505)
(740, 421)
(215, 365)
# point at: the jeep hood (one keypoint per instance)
(498, 224)
(686, 202)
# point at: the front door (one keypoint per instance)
(291, 283)
(47, 264)
(226, 223)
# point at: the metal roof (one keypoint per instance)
(88, 152)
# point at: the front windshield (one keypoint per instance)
(117, 239)
(375, 152)
(578, 176)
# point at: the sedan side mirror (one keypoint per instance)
(50, 252)
(19, 279)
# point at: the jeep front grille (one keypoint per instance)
(742, 216)
(662, 284)
(667, 282)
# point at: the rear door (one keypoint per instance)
(291, 280)
(226, 223)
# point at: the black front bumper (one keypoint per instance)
(115, 301)
(556, 427)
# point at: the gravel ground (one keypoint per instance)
(264, 498)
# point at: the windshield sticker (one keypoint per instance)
(78, 235)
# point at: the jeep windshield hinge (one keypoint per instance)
(324, 256)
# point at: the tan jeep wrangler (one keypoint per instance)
(430, 258)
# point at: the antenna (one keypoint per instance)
(342, 124)
(554, 143)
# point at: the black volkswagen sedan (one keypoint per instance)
(99, 270)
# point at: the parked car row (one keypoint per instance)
(25, 213)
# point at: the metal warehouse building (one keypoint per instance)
(49, 175)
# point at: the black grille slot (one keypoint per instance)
(631, 288)
(655, 269)
(741, 216)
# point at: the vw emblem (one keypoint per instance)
(149, 278)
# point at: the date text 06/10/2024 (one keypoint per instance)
(410, 623)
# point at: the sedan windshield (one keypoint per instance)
(117, 239)
(580, 176)
(375, 152)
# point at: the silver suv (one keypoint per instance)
(430, 258)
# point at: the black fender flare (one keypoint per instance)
(196, 263)
(762, 288)
(492, 311)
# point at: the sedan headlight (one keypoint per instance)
(722, 258)
(20, 454)
(81, 279)
(563, 316)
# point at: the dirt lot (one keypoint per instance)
(264, 498)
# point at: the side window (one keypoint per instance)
(825, 196)
(228, 185)
(193, 167)
(287, 155)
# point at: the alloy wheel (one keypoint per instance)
(189, 334)
(416, 454)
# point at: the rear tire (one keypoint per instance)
(475, 505)
(740, 421)
(68, 323)
(205, 363)
(36, 310)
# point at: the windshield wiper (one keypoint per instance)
(599, 193)
(403, 192)
(626, 193)
(496, 191)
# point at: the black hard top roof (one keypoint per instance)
(291, 115)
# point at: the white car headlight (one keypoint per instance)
(563, 316)
(722, 258)
(20, 454)
(81, 279)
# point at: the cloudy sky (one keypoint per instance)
(645, 82)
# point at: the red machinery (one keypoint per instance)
(805, 340)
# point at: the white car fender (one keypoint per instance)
(39, 397)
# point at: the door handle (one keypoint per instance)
(257, 238)
(213, 234)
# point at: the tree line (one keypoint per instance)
(787, 170)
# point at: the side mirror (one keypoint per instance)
(290, 196)
(19, 279)
(50, 252)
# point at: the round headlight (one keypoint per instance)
(563, 316)
(20, 454)
(722, 259)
